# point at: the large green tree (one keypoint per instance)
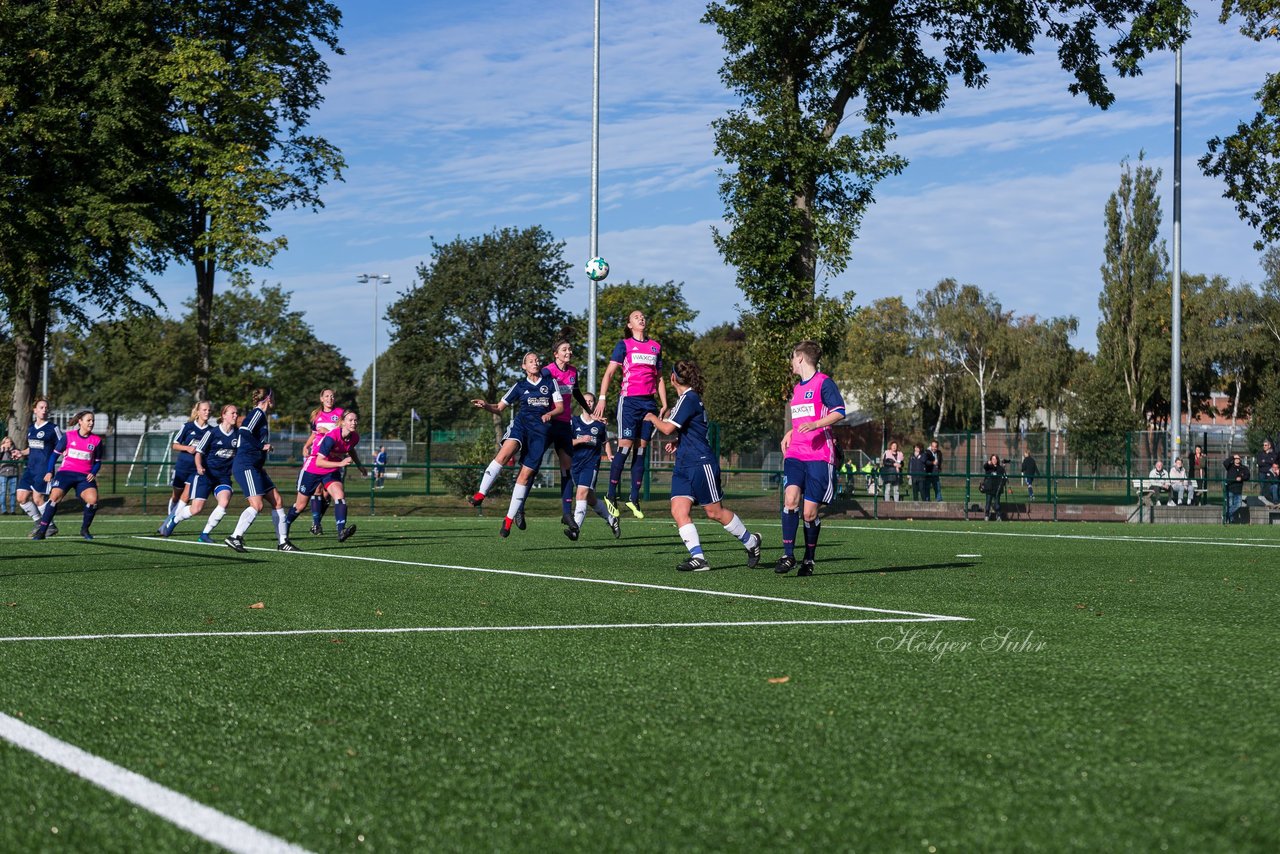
(80, 198)
(821, 82)
(242, 79)
(978, 329)
(481, 304)
(721, 353)
(880, 364)
(1248, 161)
(1133, 341)
(1046, 362)
(667, 314)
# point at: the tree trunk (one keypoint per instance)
(942, 407)
(205, 273)
(30, 328)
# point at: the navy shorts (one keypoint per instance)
(254, 481)
(310, 482)
(69, 480)
(532, 439)
(182, 474)
(700, 481)
(812, 476)
(209, 483)
(631, 412)
(32, 480)
(585, 472)
(560, 434)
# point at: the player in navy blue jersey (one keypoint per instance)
(215, 454)
(184, 457)
(562, 371)
(696, 476)
(42, 436)
(538, 398)
(590, 437)
(249, 466)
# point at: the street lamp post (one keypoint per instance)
(385, 279)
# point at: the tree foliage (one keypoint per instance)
(1248, 161)
(667, 313)
(880, 363)
(721, 353)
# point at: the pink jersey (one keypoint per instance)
(339, 450)
(807, 407)
(80, 453)
(641, 364)
(566, 378)
(326, 421)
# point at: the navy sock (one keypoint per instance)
(811, 530)
(566, 492)
(90, 510)
(637, 476)
(317, 509)
(615, 472)
(790, 525)
(340, 513)
(293, 513)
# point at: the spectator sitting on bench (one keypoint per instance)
(1184, 490)
(1270, 485)
(1158, 482)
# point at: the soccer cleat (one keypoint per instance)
(204, 538)
(806, 568)
(696, 563)
(39, 533)
(85, 535)
(317, 530)
(572, 531)
(346, 533)
(753, 552)
(475, 500)
(167, 528)
(615, 525)
(635, 510)
(287, 546)
(611, 507)
(53, 529)
(505, 530)
(785, 564)
(236, 543)
(519, 519)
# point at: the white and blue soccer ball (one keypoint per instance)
(597, 269)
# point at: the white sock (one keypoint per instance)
(183, 512)
(277, 519)
(490, 475)
(214, 518)
(689, 533)
(518, 493)
(29, 507)
(580, 512)
(246, 519)
(736, 528)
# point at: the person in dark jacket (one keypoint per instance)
(933, 471)
(1266, 457)
(993, 481)
(1236, 474)
(1029, 473)
(915, 468)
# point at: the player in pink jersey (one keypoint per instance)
(81, 452)
(809, 454)
(560, 430)
(323, 472)
(640, 358)
(324, 419)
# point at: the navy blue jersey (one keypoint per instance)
(535, 399)
(191, 434)
(691, 417)
(219, 450)
(42, 440)
(254, 433)
(595, 431)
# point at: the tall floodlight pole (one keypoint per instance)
(595, 205)
(385, 279)
(1175, 381)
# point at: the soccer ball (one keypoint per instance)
(597, 269)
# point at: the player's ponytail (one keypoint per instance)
(261, 394)
(688, 374)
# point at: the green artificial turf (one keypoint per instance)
(1103, 693)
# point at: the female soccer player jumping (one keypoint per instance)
(81, 450)
(540, 401)
(250, 470)
(696, 476)
(560, 431)
(184, 462)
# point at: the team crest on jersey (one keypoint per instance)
(808, 395)
(542, 389)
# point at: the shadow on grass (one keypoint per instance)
(882, 570)
(224, 554)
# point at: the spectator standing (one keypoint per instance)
(380, 468)
(891, 472)
(1236, 474)
(1183, 489)
(933, 471)
(1158, 482)
(1200, 470)
(915, 469)
(1265, 458)
(993, 479)
(8, 477)
(1030, 471)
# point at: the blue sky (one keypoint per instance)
(455, 118)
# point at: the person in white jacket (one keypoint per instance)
(1183, 489)
(1158, 483)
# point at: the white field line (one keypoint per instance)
(205, 822)
(1180, 541)
(430, 629)
(609, 581)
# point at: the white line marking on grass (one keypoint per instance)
(443, 629)
(1180, 541)
(610, 581)
(205, 822)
